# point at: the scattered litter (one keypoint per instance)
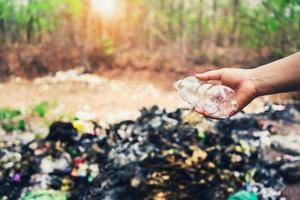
(159, 155)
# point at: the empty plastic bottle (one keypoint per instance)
(214, 100)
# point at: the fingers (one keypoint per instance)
(200, 111)
(210, 75)
(245, 95)
(243, 100)
(206, 114)
(233, 112)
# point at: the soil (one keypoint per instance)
(137, 78)
(112, 100)
(118, 97)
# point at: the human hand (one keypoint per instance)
(240, 80)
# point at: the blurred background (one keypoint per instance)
(135, 48)
(96, 63)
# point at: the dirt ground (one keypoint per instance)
(110, 98)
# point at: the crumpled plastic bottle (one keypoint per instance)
(214, 100)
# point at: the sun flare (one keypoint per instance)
(106, 8)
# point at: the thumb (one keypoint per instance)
(210, 75)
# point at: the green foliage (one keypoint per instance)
(189, 24)
(274, 24)
(21, 125)
(10, 120)
(7, 113)
(41, 108)
(29, 20)
(107, 46)
(15, 120)
(201, 133)
(10, 126)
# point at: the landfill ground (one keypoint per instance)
(151, 153)
(111, 99)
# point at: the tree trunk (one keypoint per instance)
(82, 40)
(2, 31)
(29, 29)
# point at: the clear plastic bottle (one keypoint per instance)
(215, 100)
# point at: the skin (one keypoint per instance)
(280, 76)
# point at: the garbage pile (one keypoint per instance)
(158, 156)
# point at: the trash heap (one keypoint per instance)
(158, 156)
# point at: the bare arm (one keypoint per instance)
(280, 76)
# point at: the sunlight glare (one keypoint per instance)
(106, 8)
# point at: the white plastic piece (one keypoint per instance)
(214, 100)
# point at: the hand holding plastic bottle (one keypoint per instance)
(280, 76)
(240, 80)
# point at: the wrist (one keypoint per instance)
(254, 77)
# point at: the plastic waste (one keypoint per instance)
(290, 172)
(16, 177)
(289, 144)
(155, 155)
(45, 195)
(61, 131)
(47, 165)
(216, 101)
(243, 195)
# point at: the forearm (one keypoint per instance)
(279, 76)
